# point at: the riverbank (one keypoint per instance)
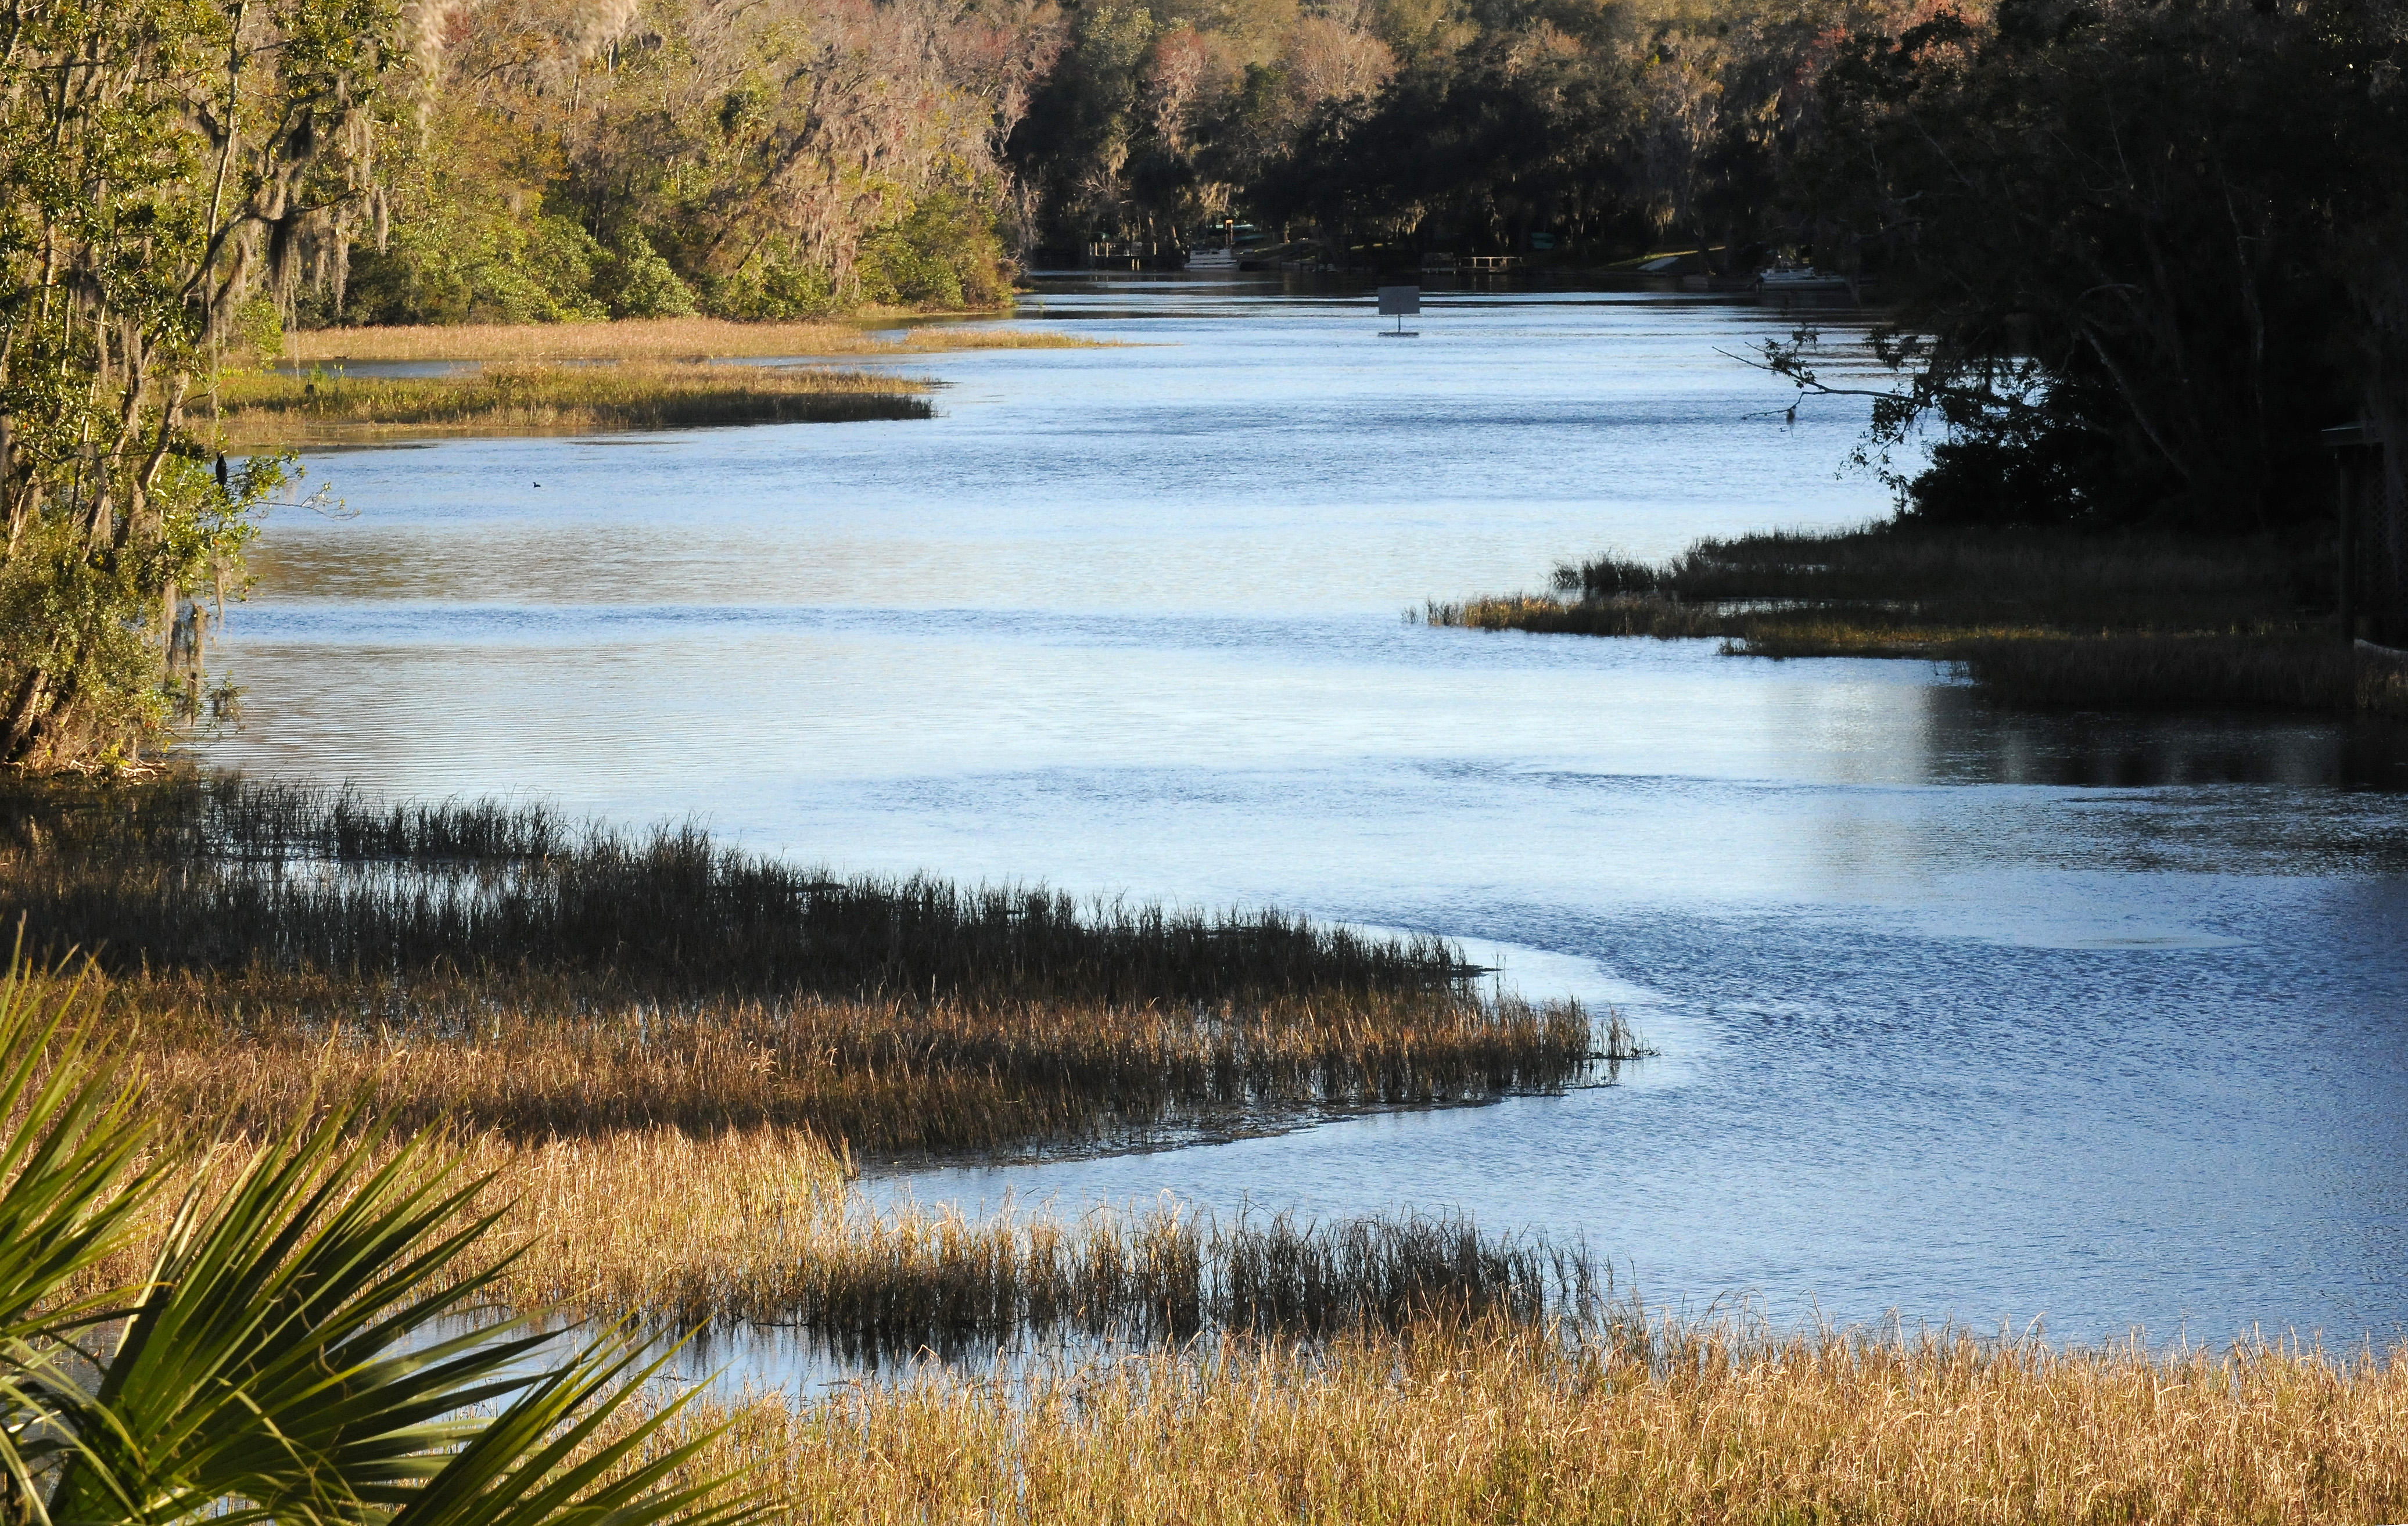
(667, 1061)
(2048, 618)
(666, 339)
(573, 1003)
(274, 409)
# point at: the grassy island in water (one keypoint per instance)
(573, 378)
(2048, 617)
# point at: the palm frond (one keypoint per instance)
(289, 1358)
(538, 1463)
(72, 1182)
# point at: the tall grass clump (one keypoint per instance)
(890, 1075)
(225, 874)
(766, 1227)
(506, 969)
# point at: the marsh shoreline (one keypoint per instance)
(2046, 618)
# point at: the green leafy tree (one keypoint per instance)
(642, 284)
(2126, 238)
(161, 161)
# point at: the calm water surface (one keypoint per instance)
(1966, 1014)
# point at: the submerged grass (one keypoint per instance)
(661, 339)
(2042, 617)
(1635, 1421)
(503, 968)
(266, 409)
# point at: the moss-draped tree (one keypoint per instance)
(165, 164)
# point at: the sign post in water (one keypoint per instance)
(1402, 301)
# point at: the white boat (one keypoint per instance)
(1798, 280)
(1213, 259)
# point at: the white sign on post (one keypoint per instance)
(1400, 302)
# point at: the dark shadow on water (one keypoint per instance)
(1977, 741)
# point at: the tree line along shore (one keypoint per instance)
(2139, 266)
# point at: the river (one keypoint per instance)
(2095, 1021)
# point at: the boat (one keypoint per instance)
(1783, 282)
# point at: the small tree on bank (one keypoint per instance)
(167, 168)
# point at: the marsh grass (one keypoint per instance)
(2017, 579)
(766, 1227)
(265, 409)
(888, 1077)
(2305, 673)
(2035, 617)
(1641, 614)
(1627, 1420)
(224, 875)
(503, 968)
(660, 339)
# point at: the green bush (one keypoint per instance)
(774, 286)
(944, 253)
(638, 283)
(480, 267)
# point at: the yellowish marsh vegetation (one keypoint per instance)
(767, 1226)
(1636, 1422)
(650, 1044)
(659, 339)
(267, 409)
(2048, 617)
(504, 969)
(885, 1075)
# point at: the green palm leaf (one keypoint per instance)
(308, 1347)
(525, 1469)
(295, 1356)
(70, 1193)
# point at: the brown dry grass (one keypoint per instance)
(764, 1226)
(658, 339)
(267, 409)
(1631, 1425)
(884, 1077)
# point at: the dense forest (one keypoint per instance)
(2134, 255)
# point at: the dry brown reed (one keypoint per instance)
(661, 339)
(504, 969)
(265, 409)
(886, 1077)
(1641, 614)
(1636, 1424)
(765, 1226)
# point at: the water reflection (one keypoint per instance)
(1966, 1011)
